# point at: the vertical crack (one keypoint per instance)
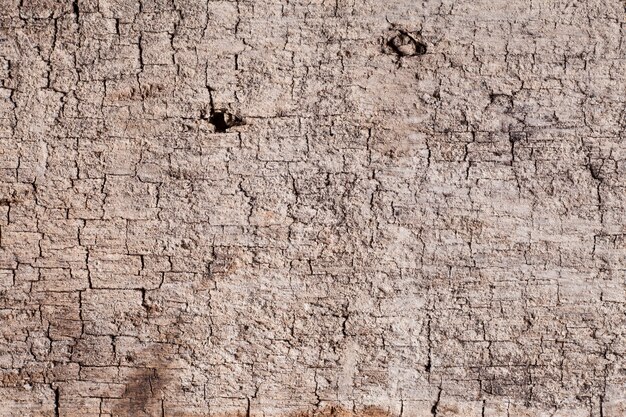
(56, 402)
(435, 406)
(75, 10)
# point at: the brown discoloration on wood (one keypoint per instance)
(145, 392)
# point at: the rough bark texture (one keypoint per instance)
(313, 207)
